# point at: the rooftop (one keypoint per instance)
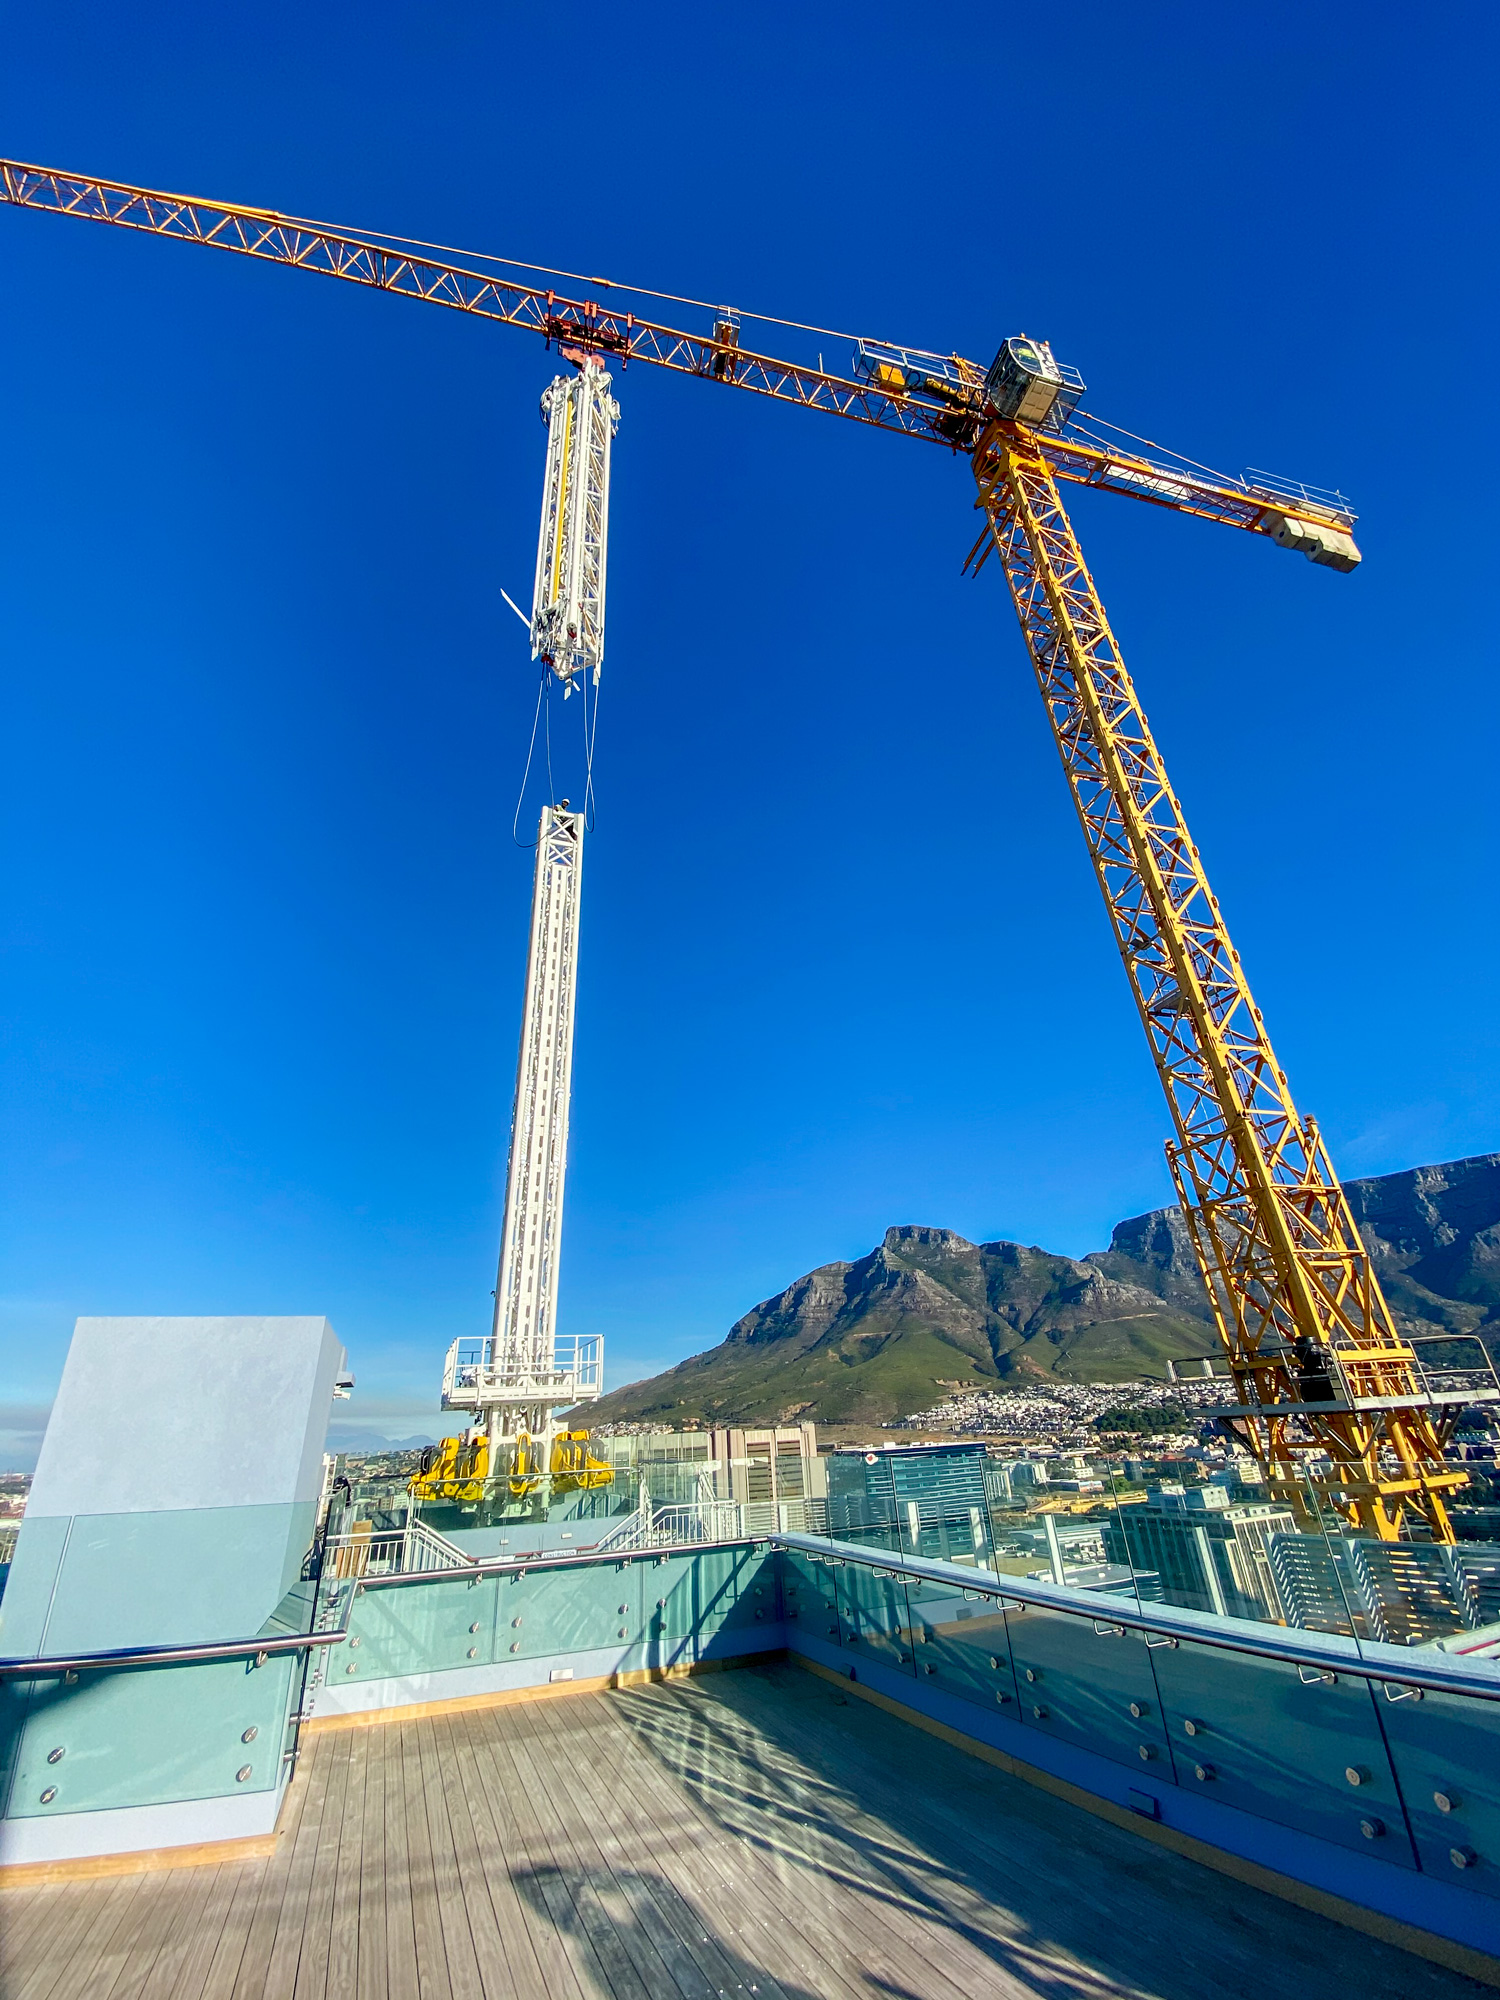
(757, 1832)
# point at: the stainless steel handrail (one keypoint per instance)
(49, 1667)
(551, 1559)
(1165, 1622)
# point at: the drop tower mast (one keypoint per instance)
(518, 1378)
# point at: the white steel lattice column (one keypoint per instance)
(567, 604)
(525, 1332)
(522, 1373)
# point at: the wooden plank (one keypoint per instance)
(845, 1843)
(274, 1946)
(432, 1959)
(60, 1925)
(312, 1960)
(155, 1973)
(881, 1902)
(631, 1959)
(250, 1980)
(65, 1976)
(631, 1971)
(720, 1892)
(588, 1818)
(1087, 1894)
(503, 1951)
(98, 1957)
(536, 1958)
(449, 1895)
(203, 1940)
(733, 1890)
(413, 1711)
(229, 1948)
(400, 1922)
(564, 1949)
(433, 1975)
(342, 1976)
(73, 1951)
(133, 1957)
(902, 1907)
(371, 1969)
(928, 1883)
(736, 1885)
(959, 1810)
(27, 1914)
(252, 1885)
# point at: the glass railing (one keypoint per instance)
(87, 1732)
(584, 1615)
(1378, 1747)
(156, 1726)
(1180, 1525)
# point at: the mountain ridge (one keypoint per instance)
(926, 1311)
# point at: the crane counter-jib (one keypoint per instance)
(1328, 1393)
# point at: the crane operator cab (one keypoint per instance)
(1028, 385)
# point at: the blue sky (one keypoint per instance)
(844, 963)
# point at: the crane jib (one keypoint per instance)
(943, 402)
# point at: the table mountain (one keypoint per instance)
(928, 1311)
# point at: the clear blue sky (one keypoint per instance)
(844, 963)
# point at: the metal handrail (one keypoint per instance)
(551, 1559)
(1167, 1624)
(47, 1667)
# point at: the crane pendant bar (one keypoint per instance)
(567, 605)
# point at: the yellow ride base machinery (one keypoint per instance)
(459, 1469)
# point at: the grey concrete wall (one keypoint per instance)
(177, 1483)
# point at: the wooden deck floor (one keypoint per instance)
(750, 1834)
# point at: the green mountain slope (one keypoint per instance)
(928, 1312)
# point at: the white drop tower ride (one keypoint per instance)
(522, 1374)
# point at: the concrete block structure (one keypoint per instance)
(174, 1505)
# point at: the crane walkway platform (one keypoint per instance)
(751, 1835)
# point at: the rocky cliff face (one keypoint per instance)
(1432, 1232)
(928, 1311)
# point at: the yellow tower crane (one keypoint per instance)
(1329, 1396)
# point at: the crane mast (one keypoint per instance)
(1334, 1402)
(1317, 1362)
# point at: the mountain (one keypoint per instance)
(357, 1439)
(928, 1312)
